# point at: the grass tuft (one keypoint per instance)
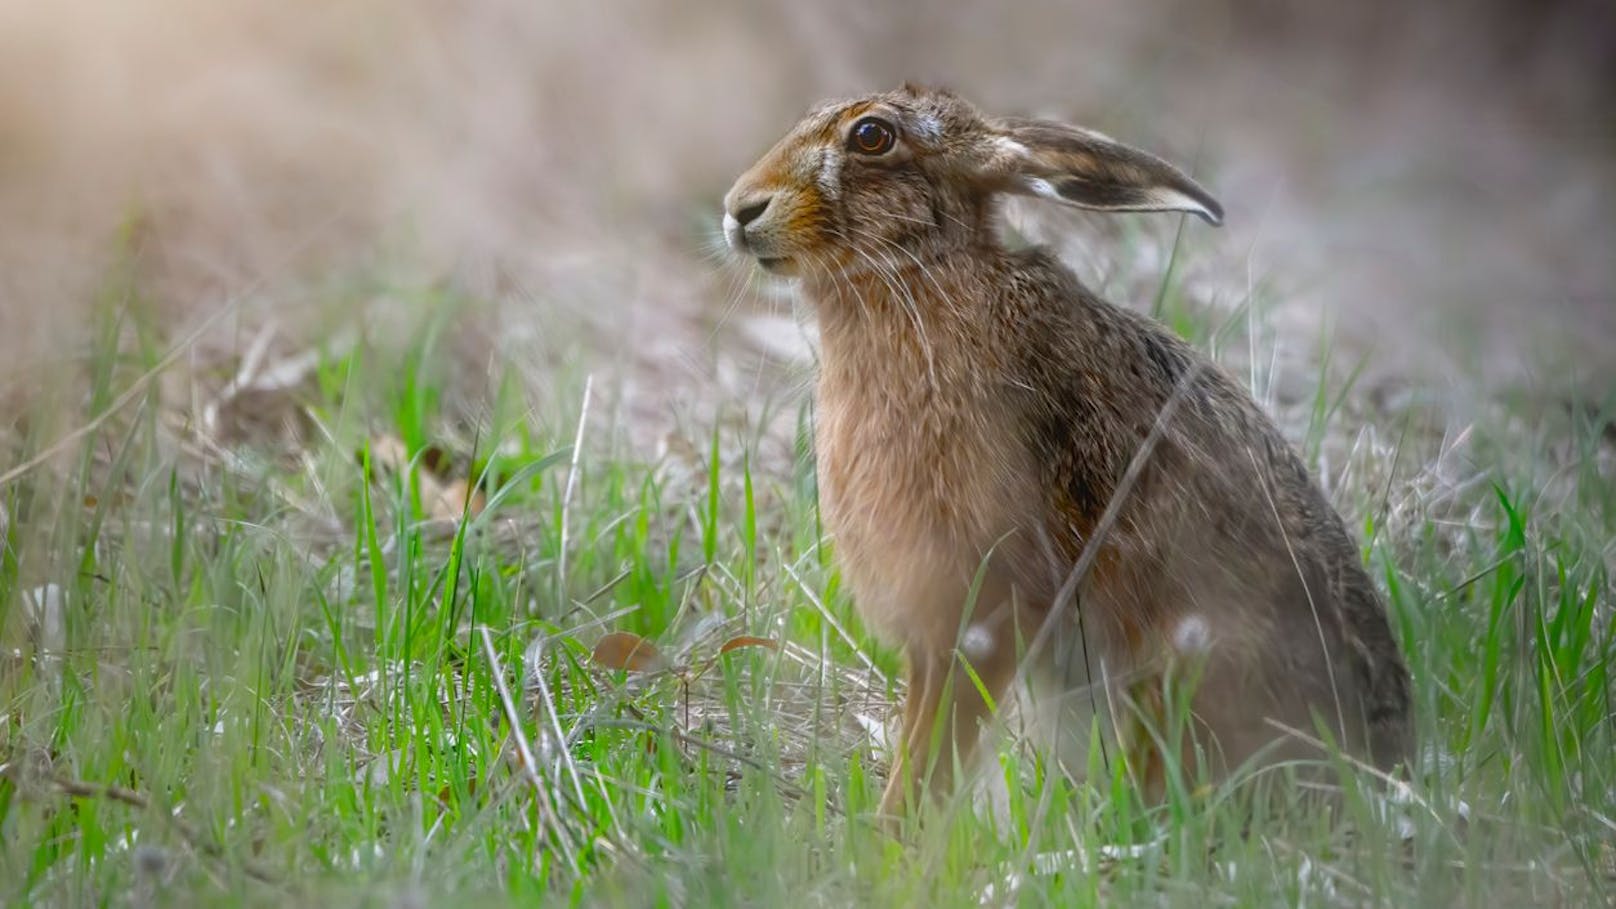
(281, 666)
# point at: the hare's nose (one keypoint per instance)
(748, 211)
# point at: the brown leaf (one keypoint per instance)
(449, 501)
(435, 459)
(746, 640)
(442, 499)
(626, 650)
(446, 794)
(389, 452)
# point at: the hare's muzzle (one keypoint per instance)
(738, 214)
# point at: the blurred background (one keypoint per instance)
(1429, 185)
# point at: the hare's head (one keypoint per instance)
(905, 173)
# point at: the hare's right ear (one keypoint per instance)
(1084, 168)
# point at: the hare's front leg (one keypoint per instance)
(942, 717)
(919, 707)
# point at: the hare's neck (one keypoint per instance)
(895, 293)
(908, 327)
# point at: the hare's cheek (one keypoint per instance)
(835, 255)
(802, 225)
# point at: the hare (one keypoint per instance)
(1027, 482)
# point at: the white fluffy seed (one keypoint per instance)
(1193, 635)
(977, 642)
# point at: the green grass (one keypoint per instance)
(273, 670)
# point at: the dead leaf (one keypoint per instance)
(442, 499)
(435, 459)
(450, 501)
(446, 797)
(627, 650)
(389, 452)
(746, 640)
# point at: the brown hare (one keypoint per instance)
(1022, 478)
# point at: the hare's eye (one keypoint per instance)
(872, 136)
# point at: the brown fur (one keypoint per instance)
(978, 411)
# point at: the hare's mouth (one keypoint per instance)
(774, 263)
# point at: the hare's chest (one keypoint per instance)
(916, 493)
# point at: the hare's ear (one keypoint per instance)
(1090, 170)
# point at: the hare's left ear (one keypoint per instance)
(1089, 170)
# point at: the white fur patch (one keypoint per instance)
(1165, 199)
(830, 173)
(927, 126)
(1157, 199)
(1038, 186)
(1009, 146)
(732, 231)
